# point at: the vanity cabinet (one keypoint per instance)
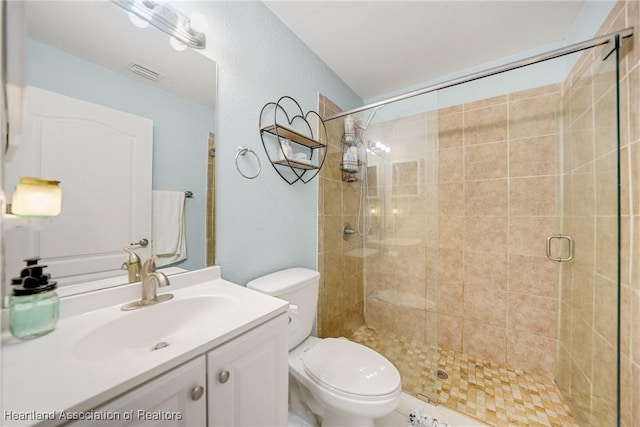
(174, 399)
(242, 382)
(247, 378)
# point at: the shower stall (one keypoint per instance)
(490, 271)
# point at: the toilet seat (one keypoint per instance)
(350, 368)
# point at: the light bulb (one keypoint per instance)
(137, 21)
(37, 197)
(177, 44)
(198, 22)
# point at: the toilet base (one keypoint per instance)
(294, 420)
(298, 403)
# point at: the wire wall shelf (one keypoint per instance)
(295, 151)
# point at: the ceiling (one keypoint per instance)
(378, 47)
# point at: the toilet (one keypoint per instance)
(341, 382)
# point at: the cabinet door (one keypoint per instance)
(247, 378)
(170, 400)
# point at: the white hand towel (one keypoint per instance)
(168, 227)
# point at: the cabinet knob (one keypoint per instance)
(224, 376)
(197, 393)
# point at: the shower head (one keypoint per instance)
(370, 119)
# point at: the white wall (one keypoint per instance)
(263, 224)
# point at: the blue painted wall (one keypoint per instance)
(263, 224)
(180, 127)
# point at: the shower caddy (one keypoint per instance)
(350, 170)
(276, 131)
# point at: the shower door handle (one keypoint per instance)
(560, 237)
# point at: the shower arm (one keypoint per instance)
(369, 119)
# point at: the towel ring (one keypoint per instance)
(243, 151)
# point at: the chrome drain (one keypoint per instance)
(160, 345)
(442, 375)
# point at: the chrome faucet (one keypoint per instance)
(151, 281)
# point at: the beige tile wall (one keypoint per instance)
(461, 264)
(340, 302)
(457, 257)
(497, 191)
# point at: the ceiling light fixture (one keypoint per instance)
(172, 22)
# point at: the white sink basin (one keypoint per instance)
(155, 327)
(97, 351)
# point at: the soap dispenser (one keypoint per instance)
(34, 305)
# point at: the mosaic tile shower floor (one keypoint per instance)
(492, 393)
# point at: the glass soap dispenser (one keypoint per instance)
(34, 305)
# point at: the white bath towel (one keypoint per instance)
(168, 227)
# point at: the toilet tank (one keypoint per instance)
(299, 287)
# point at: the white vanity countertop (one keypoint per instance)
(49, 374)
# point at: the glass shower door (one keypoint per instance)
(401, 265)
(587, 358)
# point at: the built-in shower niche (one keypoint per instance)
(405, 178)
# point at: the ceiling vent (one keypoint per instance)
(145, 72)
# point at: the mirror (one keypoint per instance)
(85, 58)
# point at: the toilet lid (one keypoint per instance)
(351, 368)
